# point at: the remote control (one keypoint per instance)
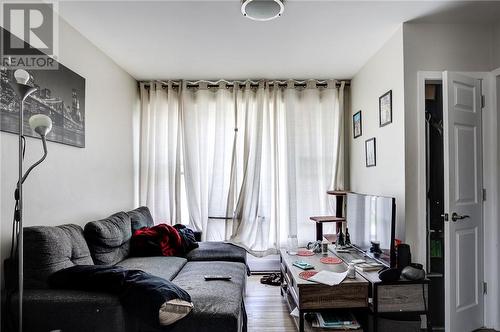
(217, 277)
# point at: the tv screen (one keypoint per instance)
(371, 218)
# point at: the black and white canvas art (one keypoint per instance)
(60, 95)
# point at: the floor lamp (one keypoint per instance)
(41, 124)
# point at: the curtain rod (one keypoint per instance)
(214, 84)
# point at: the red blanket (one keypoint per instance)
(159, 240)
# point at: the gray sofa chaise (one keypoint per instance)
(218, 305)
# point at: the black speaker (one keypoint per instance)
(404, 256)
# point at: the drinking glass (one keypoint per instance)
(293, 244)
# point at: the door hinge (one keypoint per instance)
(483, 101)
(485, 287)
(484, 194)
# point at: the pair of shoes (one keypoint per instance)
(265, 279)
(273, 279)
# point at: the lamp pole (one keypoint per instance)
(23, 90)
(20, 240)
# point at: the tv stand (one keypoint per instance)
(310, 297)
(402, 297)
(398, 298)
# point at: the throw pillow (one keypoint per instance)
(173, 310)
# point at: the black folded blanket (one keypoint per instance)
(141, 293)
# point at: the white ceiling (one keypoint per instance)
(211, 39)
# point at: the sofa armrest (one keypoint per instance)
(47, 310)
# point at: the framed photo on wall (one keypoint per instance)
(371, 152)
(60, 95)
(385, 108)
(357, 125)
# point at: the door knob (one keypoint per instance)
(456, 217)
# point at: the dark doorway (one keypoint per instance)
(435, 198)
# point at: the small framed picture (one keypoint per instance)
(356, 125)
(385, 108)
(371, 152)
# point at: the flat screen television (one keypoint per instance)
(372, 219)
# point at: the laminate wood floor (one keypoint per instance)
(266, 309)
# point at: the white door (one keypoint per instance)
(463, 203)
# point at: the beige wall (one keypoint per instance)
(419, 47)
(496, 46)
(416, 47)
(383, 72)
(75, 185)
(434, 47)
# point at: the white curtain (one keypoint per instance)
(159, 152)
(208, 123)
(257, 161)
(314, 143)
(256, 224)
(293, 149)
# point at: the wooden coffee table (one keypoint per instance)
(309, 296)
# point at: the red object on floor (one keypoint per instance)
(307, 274)
(330, 260)
(305, 253)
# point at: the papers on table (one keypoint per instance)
(328, 278)
(367, 267)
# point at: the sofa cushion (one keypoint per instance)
(50, 249)
(217, 303)
(72, 310)
(217, 251)
(140, 217)
(109, 239)
(164, 267)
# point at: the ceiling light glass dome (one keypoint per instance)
(262, 10)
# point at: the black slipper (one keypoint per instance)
(265, 279)
(270, 279)
(276, 281)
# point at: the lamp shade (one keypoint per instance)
(262, 10)
(21, 76)
(41, 124)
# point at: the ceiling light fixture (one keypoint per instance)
(262, 10)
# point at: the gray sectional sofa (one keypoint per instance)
(218, 305)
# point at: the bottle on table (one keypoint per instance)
(347, 237)
(351, 271)
(324, 247)
(340, 238)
